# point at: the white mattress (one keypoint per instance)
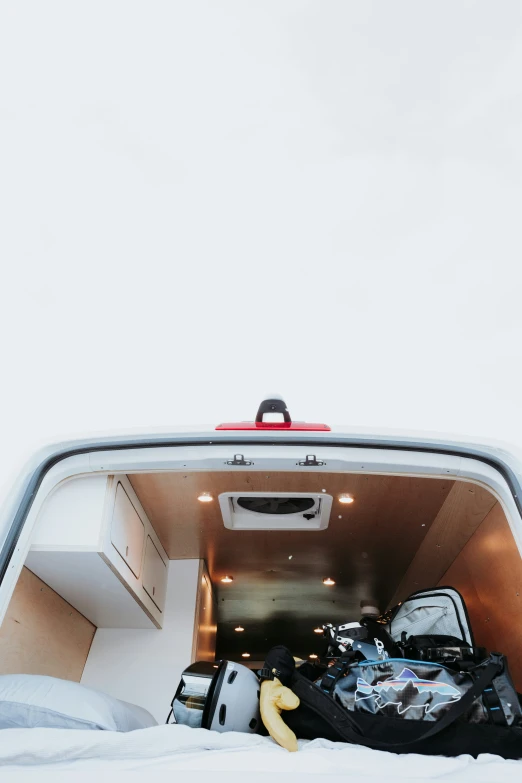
(181, 748)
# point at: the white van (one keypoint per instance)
(123, 560)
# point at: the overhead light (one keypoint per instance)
(328, 581)
(205, 497)
(313, 656)
(345, 498)
(216, 666)
(245, 655)
(227, 579)
(239, 628)
(318, 630)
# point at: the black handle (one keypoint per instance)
(273, 406)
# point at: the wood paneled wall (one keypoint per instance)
(461, 514)
(488, 574)
(43, 634)
(205, 629)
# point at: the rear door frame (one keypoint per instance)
(29, 486)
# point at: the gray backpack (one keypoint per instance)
(440, 611)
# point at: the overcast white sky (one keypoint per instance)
(205, 201)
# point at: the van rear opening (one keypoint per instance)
(131, 576)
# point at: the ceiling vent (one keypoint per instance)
(275, 510)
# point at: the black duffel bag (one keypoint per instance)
(406, 706)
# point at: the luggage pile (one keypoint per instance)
(411, 680)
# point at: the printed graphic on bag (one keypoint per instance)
(408, 691)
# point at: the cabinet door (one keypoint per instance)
(154, 574)
(127, 531)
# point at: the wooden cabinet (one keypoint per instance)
(154, 574)
(127, 530)
(94, 545)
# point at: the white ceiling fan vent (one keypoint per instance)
(275, 510)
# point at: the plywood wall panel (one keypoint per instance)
(488, 573)
(204, 646)
(42, 633)
(462, 512)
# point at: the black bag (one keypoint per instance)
(467, 712)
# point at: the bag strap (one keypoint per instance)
(334, 673)
(493, 667)
(493, 704)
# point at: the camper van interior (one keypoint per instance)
(130, 576)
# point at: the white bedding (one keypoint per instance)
(181, 748)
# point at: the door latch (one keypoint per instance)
(311, 461)
(238, 460)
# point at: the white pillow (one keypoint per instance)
(32, 700)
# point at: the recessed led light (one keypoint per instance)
(239, 628)
(245, 655)
(328, 581)
(318, 630)
(313, 656)
(205, 497)
(227, 579)
(345, 498)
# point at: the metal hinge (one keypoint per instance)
(239, 460)
(311, 461)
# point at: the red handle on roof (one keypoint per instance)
(274, 405)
